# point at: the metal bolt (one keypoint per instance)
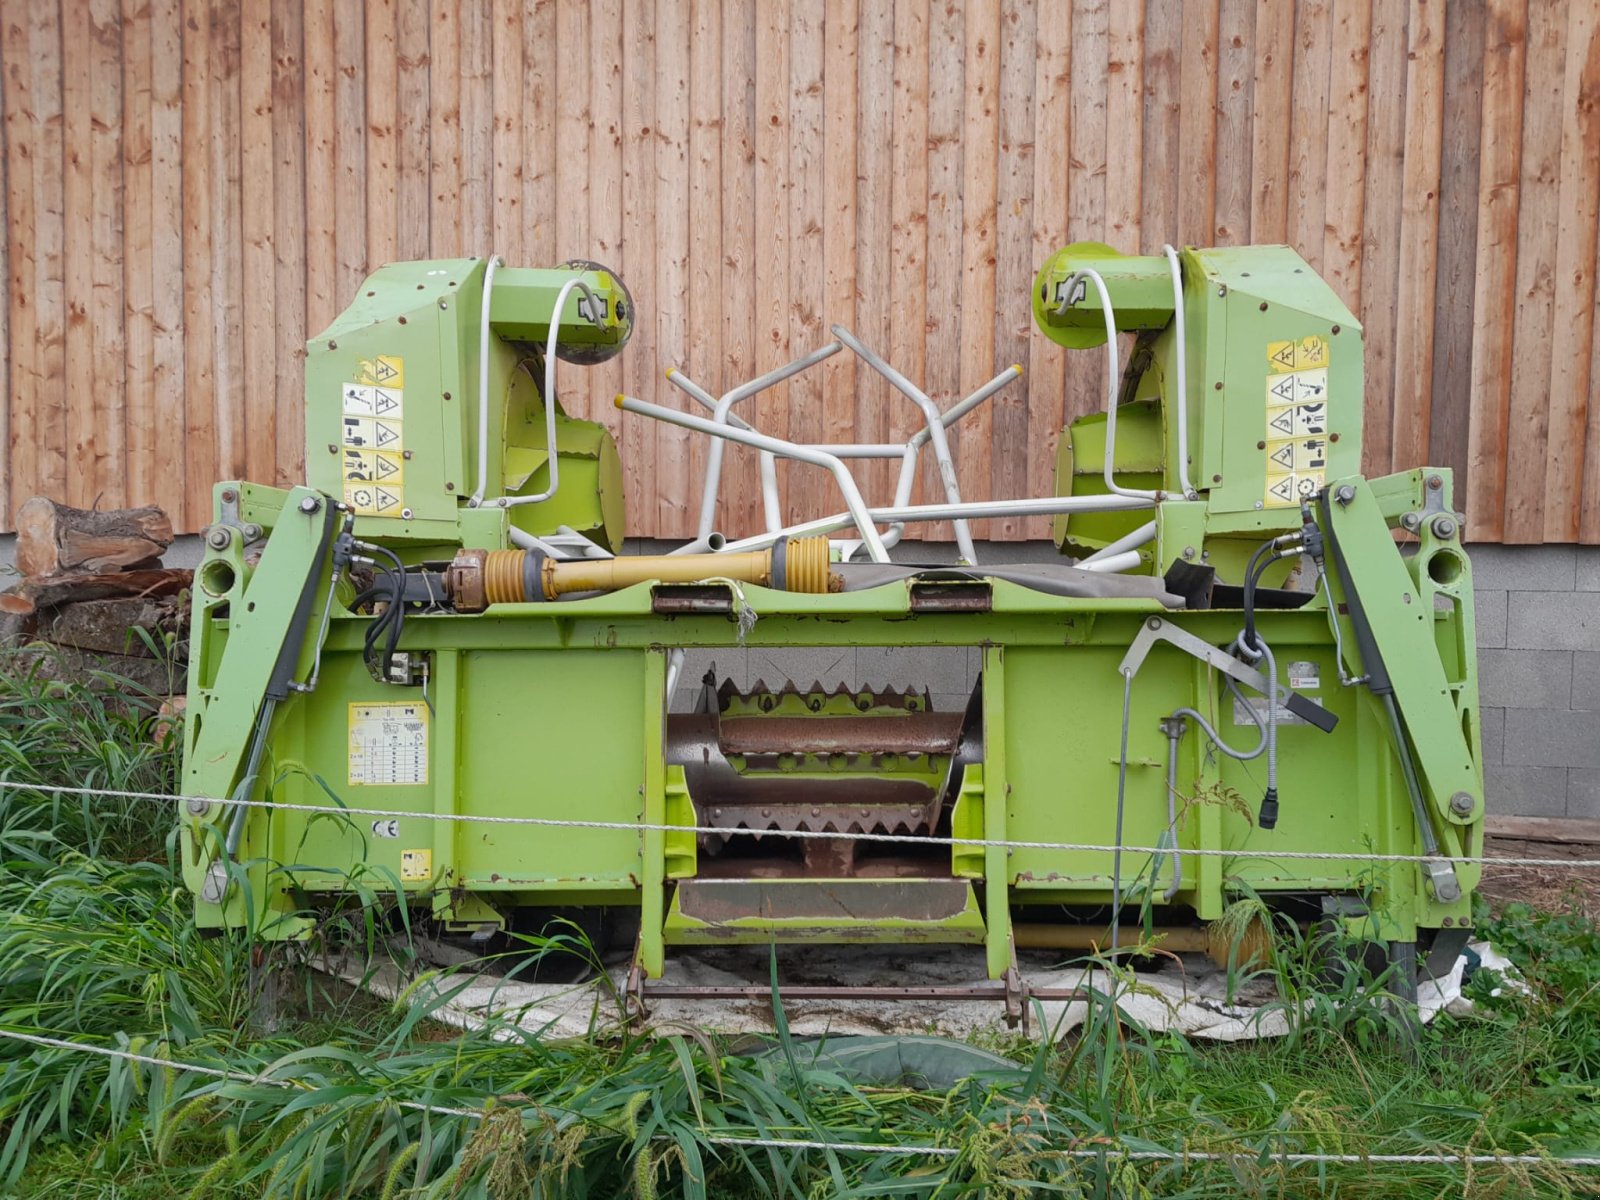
(1260, 504)
(816, 812)
(198, 806)
(1435, 483)
(1444, 527)
(1154, 623)
(252, 531)
(229, 496)
(1345, 494)
(444, 304)
(310, 505)
(1462, 803)
(405, 514)
(220, 537)
(405, 454)
(1188, 551)
(333, 345)
(1411, 521)
(1449, 921)
(332, 449)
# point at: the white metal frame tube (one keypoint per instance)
(1128, 541)
(1182, 355)
(483, 385)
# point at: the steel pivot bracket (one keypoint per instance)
(1156, 630)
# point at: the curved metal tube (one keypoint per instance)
(1182, 355)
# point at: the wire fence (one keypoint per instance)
(829, 835)
(895, 1149)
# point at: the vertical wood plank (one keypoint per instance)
(349, 100)
(1380, 223)
(1272, 95)
(1125, 103)
(5, 300)
(1014, 265)
(475, 118)
(1045, 381)
(382, 52)
(772, 214)
(19, 461)
(170, 466)
(910, 149)
(676, 489)
(596, 386)
(258, 225)
(704, 311)
(138, 316)
(971, 441)
(51, 310)
(322, 171)
(878, 286)
(1450, 399)
(413, 154)
(108, 472)
(842, 130)
(1235, 91)
(641, 365)
(1158, 185)
(1197, 122)
(1347, 142)
(507, 138)
(539, 124)
(741, 489)
(1573, 305)
(226, 285)
(288, 216)
(1086, 209)
(946, 90)
(1419, 232)
(807, 265)
(1539, 218)
(77, 79)
(199, 362)
(1494, 299)
(444, 132)
(571, 196)
(1308, 130)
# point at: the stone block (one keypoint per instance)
(1546, 738)
(934, 668)
(1492, 731)
(1523, 568)
(829, 666)
(1489, 609)
(1526, 791)
(1588, 561)
(1586, 680)
(1553, 620)
(1583, 793)
(1525, 678)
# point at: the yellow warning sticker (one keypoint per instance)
(372, 433)
(1298, 387)
(388, 744)
(416, 866)
(1298, 455)
(373, 466)
(1292, 488)
(367, 400)
(375, 500)
(1297, 355)
(386, 370)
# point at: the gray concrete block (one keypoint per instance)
(1489, 609)
(950, 701)
(1588, 562)
(1553, 620)
(1526, 791)
(934, 668)
(730, 662)
(1586, 680)
(1523, 568)
(1492, 732)
(829, 666)
(1583, 792)
(1545, 738)
(1525, 678)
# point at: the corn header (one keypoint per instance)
(432, 672)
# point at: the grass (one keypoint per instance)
(96, 946)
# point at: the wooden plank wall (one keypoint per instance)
(191, 187)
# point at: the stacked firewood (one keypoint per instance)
(93, 595)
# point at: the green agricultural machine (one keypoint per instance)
(433, 673)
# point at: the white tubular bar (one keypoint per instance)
(935, 424)
(709, 544)
(589, 548)
(552, 458)
(1182, 355)
(847, 484)
(1093, 276)
(708, 498)
(483, 386)
(524, 540)
(1128, 541)
(771, 504)
(975, 510)
(1116, 562)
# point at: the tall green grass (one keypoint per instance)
(96, 946)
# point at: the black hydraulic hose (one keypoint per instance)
(1252, 579)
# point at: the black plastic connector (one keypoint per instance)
(1269, 810)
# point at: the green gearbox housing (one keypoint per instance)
(1238, 413)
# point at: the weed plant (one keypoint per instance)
(96, 946)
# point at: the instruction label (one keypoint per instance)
(373, 436)
(1297, 355)
(1242, 717)
(1296, 440)
(388, 745)
(416, 866)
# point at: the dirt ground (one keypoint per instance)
(1550, 888)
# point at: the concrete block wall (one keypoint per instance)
(1539, 677)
